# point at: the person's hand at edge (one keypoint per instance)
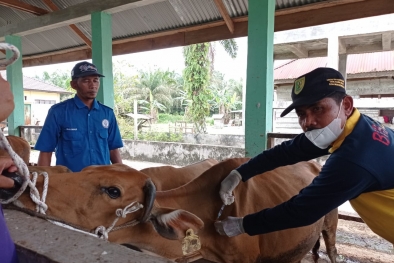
(6, 163)
(231, 226)
(228, 185)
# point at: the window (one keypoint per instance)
(44, 101)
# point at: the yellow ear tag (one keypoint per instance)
(190, 242)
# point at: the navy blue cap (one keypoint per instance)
(314, 86)
(83, 69)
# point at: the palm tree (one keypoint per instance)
(199, 61)
(156, 89)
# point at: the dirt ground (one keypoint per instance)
(356, 243)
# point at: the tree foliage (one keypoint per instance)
(196, 77)
(199, 62)
(224, 97)
(124, 84)
(60, 79)
(155, 88)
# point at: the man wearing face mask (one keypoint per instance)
(356, 170)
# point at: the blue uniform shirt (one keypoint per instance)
(358, 170)
(80, 136)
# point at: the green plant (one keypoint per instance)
(209, 121)
(126, 127)
(169, 118)
(160, 136)
(196, 77)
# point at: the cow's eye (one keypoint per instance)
(113, 192)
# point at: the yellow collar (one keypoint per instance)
(349, 126)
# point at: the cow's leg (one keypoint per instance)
(329, 234)
(315, 249)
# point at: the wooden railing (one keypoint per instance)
(272, 136)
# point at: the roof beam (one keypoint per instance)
(73, 27)
(23, 7)
(70, 15)
(214, 31)
(330, 11)
(386, 41)
(298, 50)
(223, 11)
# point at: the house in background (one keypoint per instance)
(38, 98)
(370, 81)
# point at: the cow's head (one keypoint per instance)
(91, 198)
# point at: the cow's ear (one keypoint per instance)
(173, 223)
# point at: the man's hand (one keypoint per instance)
(231, 226)
(228, 185)
(6, 164)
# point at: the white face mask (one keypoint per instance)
(323, 137)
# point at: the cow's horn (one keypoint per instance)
(150, 195)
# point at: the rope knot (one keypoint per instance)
(101, 232)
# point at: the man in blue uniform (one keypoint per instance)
(357, 169)
(81, 130)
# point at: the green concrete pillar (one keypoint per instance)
(15, 78)
(259, 80)
(102, 55)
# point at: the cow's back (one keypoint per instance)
(273, 188)
(169, 177)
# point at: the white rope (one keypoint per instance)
(41, 207)
(103, 232)
(15, 56)
(19, 163)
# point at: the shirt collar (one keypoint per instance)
(80, 104)
(349, 127)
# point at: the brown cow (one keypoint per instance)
(169, 177)
(166, 177)
(91, 198)
(49, 169)
(20, 146)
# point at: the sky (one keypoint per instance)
(170, 58)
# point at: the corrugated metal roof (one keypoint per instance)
(356, 64)
(282, 4)
(370, 62)
(38, 85)
(159, 16)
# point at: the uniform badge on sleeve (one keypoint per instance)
(105, 123)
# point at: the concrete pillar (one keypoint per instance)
(15, 78)
(102, 55)
(342, 65)
(260, 80)
(332, 52)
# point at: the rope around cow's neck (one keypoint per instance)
(24, 171)
(103, 232)
(19, 163)
(22, 167)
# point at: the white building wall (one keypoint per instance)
(40, 103)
